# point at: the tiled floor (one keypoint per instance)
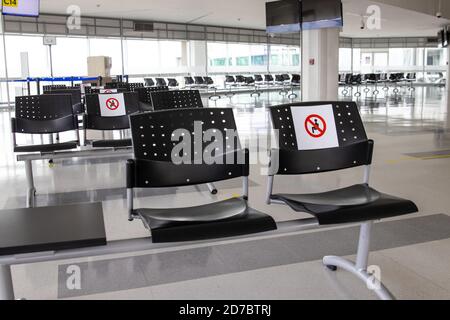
(405, 128)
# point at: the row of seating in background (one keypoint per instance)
(349, 80)
(57, 112)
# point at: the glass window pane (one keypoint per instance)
(110, 48)
(70, 57)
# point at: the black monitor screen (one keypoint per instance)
(283, 16)
(318, 14)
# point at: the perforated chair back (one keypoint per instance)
(145, 93)
(78, 106)
(116, 85)
(153, 147)
(95, 121)
(176, 99)
(53, 87)
(347, 147)
(40, 114)
(132, 86)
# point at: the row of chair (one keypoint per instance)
(349, 80)
(59, 110)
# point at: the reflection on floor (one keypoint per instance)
(412, 139)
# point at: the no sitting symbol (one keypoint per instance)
(112, 104)
(315, 126)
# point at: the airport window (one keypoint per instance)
(242, 61)
(71, 49)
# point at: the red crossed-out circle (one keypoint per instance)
(316, 131)
(112, 104)
(107, 91)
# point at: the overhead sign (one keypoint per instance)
(315, 127)
(112, 105)
(26, 8)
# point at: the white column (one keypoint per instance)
(448, 71)
(198, 58)
(320, 64)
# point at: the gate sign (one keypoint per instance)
(315, 127)
(112, 105)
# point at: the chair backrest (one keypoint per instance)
(172, 82)
(286, 77)
(188, 80)
(132, 86)
(94, 120)
(296, 78)
(240, 79)
(145, 93)
(208, 80)
(230, 79)
(116, 85)
(258, 78)
(320, 136)
(41, 114)
(160, 82)
(176, 99)
(249, 80)
(199, 80)
(53, 87)
(78, 107)
(152, 135)
(149, 82)
(268, 78)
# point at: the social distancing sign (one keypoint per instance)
(108, 91)
(315, 127)
(112, 105)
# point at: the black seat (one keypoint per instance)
(176, 99)
(357, 203)
(208, 81)
(189, 81)
(153, 167)
(296, 79)
(45, 114)
(116, 85)
(54, 87)
(132, 86)
(93, 119)
(258, 78)
(268, 78)
(78, 107)
(317, 137)
(199, 81)
(240, 80)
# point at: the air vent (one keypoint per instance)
(432, 40)
(143, 27)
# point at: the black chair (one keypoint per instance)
(230, 82)
(240, 80)
(411, 78)
(145, 97)
(209, 82)
(268, 79)
(45, 114)
(355, 204)
(116, 85)
(259, 79)
(295, 82)
(200, 82)
(78, 107)
(93, 120)
(176, 99)
(154, 166)
(160, 82)
(172, 83)
(189, 82)
(356, 80)
(149, 82)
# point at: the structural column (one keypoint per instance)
(198, 57)
(320, 64)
